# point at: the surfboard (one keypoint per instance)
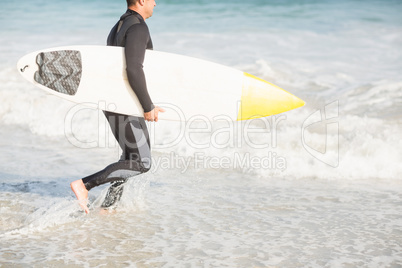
(186, 87)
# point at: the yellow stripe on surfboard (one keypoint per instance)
(261, 98)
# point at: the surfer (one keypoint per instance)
(131, 132)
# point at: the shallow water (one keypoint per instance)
(213, 219)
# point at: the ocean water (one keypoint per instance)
(319, 186)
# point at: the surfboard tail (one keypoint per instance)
(261, 98)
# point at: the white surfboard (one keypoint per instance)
(184, 86)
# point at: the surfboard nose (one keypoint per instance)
(257, 93)
(26, 67)
(22, 65)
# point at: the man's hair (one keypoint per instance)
(131, 2)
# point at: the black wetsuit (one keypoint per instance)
(131, 132)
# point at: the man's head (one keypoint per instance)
(144, 7)
(131, 2)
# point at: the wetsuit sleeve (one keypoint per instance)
(137, 38)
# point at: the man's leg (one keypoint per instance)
(132, 135)
(114, 193)
(136, 148)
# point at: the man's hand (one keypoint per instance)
(152, 116)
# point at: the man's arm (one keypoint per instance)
(137, 38)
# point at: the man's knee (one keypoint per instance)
(142, 164)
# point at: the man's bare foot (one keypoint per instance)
(81, 193)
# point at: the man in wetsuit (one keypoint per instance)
(131, 132)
